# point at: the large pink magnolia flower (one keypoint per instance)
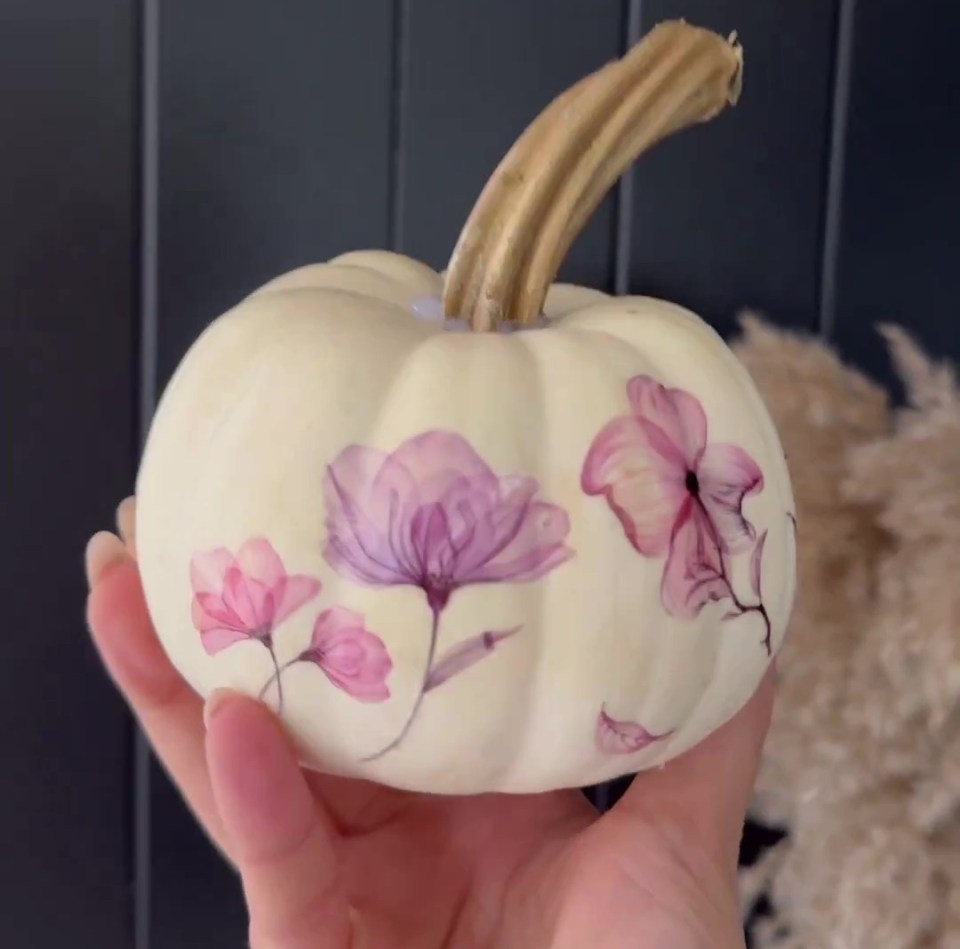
(244, 597)
(350, 656)
(432, 514)
(675, 494)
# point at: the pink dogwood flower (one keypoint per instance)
(244, 597)
(432, 514)
(675, 494)
(616, 737)
(349, 655)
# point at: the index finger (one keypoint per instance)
(168, 710)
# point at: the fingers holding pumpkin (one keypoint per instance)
(704, 794)
(127, 523)
(169, 712)
(281, 839)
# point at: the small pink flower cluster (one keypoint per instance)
(247, 596)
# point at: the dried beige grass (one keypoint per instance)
(862, 765)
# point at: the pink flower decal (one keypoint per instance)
(432, 514)
(347, 653)
(615, 737)
(677, 496)
(245, 597)
(352, 658)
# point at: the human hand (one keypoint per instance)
(331, 863)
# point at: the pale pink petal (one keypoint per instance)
(432, 462)
(432, 514)
(332, 624)
(756, 564)
(219, 638)
(249, 600)
(208, 570)
(727, 474)
(464, 655)
(537, 547)
(644, 488)
(259, 561)
(484, 524)
(365, 563)
(352, 658)
(430, 541)
(615, 737)
(292, 593)
(210, 612)
(676, 413)
(695, 573)
(431, 472)
(243, 597)
(359, 523)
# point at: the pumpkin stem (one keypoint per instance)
(557, 173)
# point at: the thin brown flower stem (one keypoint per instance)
(744, 608)
(279, 678)
(760, 609)
(431, 654)
(276, 677)
(551, 182)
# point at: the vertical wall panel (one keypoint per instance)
(899, 222)
(474, 75)
(274, 146)
(729, 215)
(274, 129)
(67, 320)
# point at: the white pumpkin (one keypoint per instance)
(460, 561)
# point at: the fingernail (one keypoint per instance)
(104, 550)
(214, 703)
(127, 521)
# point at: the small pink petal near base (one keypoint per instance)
(617, 737)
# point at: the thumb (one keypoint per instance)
(702, 796)
(280, 839)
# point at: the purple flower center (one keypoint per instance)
(692, 483)
(438, 590)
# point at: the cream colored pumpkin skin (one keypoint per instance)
(335, 355)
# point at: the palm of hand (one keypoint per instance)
(525, 872)
(332, 863)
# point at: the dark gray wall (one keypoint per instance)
(68, 321)
(161, 160)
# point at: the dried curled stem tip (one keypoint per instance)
(556, 175)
